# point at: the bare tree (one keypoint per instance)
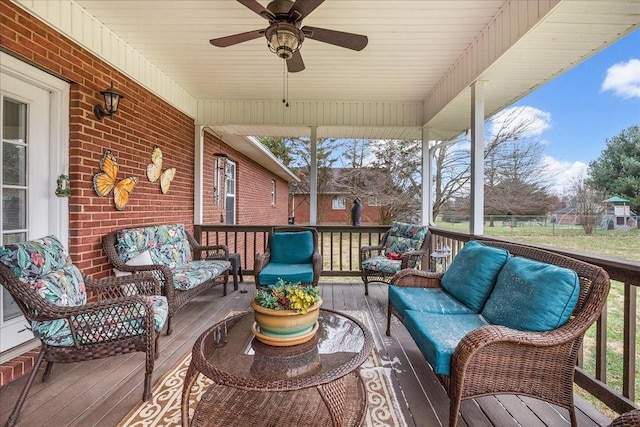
(587, 203)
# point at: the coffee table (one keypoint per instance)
(316, 383)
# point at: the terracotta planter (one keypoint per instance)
(285, 326)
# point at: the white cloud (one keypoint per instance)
(561, 174)
(527, 121)
(623, 79)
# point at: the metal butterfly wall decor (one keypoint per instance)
(155, 172)
(105, 182)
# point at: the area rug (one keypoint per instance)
(164, 408)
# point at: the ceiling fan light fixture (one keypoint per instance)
(284, 39)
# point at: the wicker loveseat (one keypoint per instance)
(402, 246)
(183, 267)
(503, 319)
(125, 316)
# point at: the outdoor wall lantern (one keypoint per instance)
(111, 99)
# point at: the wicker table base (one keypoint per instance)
(228, 406)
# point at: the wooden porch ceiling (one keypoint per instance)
(415, 72)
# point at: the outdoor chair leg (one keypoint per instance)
(454, 412)
(13, 418)
(388, 332)
(47, 372)
(169, 325)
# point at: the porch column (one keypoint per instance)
(476, 224)
(198, 173)
(427, 188)
(313, 178)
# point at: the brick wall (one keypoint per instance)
(143, 121)
(328, 215)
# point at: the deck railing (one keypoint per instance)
(340, 246)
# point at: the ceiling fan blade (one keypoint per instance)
(338, 38)
(295, 64)
(237, 38)
(259, 9)
(301, 8)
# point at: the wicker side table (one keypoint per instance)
(314, 383)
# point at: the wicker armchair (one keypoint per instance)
(126, 316)
(498, 360)
(292, 254)
(378, 263)
(628, 419)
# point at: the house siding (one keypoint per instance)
(329, 216)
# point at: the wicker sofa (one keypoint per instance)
(503, 319)
(183, 266)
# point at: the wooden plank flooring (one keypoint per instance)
(101, 392)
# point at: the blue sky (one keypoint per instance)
(592, 102)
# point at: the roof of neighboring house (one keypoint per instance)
(341, 181)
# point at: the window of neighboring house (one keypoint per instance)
(273, 191)
(373, 201)
(338, 203)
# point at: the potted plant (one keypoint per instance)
(286, 313)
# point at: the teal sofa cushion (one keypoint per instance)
(532, 296)
(473, 273)
(291, 247)
(288, 272)
(438, 335)
(428, 300)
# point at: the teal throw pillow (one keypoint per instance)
(473, 273)
(291, 247)
(532, 296)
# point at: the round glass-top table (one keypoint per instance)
(314, 383)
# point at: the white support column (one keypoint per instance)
(476, 226)
(427, 187)
(198, 178)
(313, 178)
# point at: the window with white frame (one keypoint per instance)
(273, 191)
(338, 203)
(373, 201)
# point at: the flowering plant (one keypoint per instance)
(287, 296)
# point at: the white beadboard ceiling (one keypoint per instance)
(415, 72)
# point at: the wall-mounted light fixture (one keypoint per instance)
(111, 99)
(220, 165)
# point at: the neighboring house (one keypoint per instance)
(49, 86)
(337, 190)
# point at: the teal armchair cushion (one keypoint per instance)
(288, 272)
(532, 296)
(473, 273)
(291, 247)
(428, 300)
(438, 335)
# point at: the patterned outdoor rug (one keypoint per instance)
(164, 408)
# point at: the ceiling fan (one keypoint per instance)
(285, 35)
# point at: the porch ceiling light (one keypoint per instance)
(111, 99)
(284, 39)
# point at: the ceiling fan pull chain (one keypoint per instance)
(285, 84)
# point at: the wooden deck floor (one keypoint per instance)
(101, 392)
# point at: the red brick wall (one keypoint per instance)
(143, 121)
(328, 215)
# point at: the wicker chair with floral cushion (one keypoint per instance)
(402, 246)
(126, 315)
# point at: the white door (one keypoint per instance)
(31, 148)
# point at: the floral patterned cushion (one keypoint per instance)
(45, 266)
(167, 244)
(188, 276)
(381, 263)
(403, 237)
(58, 333)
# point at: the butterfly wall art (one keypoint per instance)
(105, 182)
(155, 172)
